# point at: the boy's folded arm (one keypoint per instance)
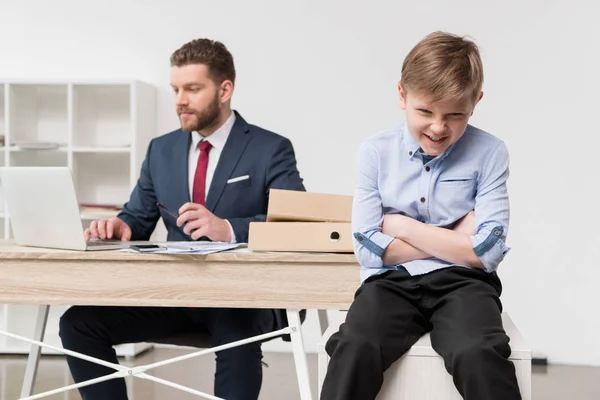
(399, 252)
(373, 247)
(442, 243)
(492, 210)
(486, 248)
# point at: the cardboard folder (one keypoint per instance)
(304, 222)
(330, 237)
(291, 205)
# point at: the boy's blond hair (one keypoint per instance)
(444, 66)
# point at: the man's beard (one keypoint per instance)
(204, 118)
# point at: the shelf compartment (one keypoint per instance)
(3, 120)
(38, 113)
(2, 206)
(102, 178)
(102, 115)
(38, 158)
(115, 149)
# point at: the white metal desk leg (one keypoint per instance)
(299, 354)
(34, 354)
(323, 321)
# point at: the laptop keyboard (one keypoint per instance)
(100, 242)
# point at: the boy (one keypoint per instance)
(430, 218)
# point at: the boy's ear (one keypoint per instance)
(402, 95)
(477, 101)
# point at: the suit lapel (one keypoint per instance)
(231, 154)
(181, 153)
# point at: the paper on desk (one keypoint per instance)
(198, 247)
(201, 247)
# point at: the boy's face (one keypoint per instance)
(435, 126)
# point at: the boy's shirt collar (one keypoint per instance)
(411, 146)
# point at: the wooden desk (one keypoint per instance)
(231, 279)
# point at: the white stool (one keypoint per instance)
(420, 374)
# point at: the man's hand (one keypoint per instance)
(112, 228)
(466, 224)
(200, 222)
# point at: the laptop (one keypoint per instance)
(44, 211)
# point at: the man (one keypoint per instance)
(217, 171)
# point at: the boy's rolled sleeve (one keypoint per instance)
(492, 210)
(369, 242)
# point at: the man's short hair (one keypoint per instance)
(211, 53)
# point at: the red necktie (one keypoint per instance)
(199, 192)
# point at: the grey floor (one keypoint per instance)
(555, 382)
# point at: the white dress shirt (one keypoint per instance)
(217, 140)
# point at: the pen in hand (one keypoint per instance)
(171, 213)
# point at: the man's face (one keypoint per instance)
(197, 97)
(435, 126)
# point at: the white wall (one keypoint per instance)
(324, 74)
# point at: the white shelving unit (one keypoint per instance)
(101, 131)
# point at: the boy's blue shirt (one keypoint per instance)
(393, 176)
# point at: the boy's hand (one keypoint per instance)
(466, 224)
(395, 225)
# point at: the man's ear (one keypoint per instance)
(402, 94)
(226, 91)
